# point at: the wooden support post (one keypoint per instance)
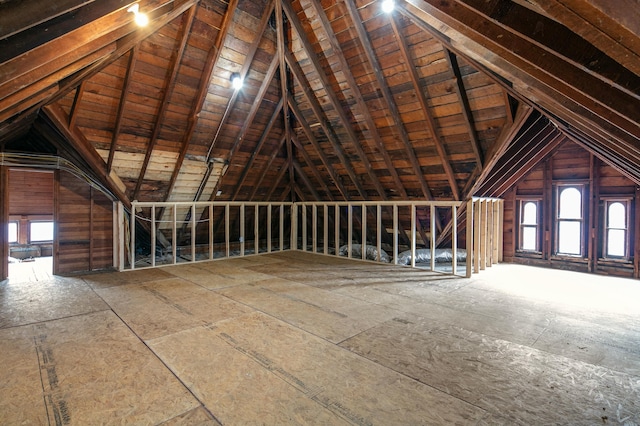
(636, 235)
(132, 248)
(413, 236)
(211, 236)
(454, 240)
(294, 227)
(350, 229)
(432, 231)
(363, 245)
(469, 237)
(4, 222)
(174, 233)
(242, 229)
(314, 229)
(227, 237)
(304, 227)
(379, 230)
(153, 235)
(256, 230)
(395, 234)
(336, 229)
(193, 232)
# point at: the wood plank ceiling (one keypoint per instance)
(437, 100)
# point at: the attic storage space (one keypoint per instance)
(337, 140)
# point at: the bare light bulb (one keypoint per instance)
(139, 18)
(388, 6)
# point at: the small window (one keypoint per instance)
(13, 232)
(529, 226)
(40, 232)
(616, 232)
(569, 221)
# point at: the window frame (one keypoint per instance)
(521, 226)
(17, 222)
(558, 189)
(606, 202)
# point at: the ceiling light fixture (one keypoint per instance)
(236, 81)
(140, 18)
(388, 6)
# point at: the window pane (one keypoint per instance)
(616, 215)
(570, 204)
(529, 238)
(529, 216)
(13, 232)
(615, 242)
(569, 237)
(41, 231)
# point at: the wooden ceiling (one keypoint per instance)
(437, 100)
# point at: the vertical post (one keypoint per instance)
(256, 230)
(483, 235)
(501, 230)
(193, 232)
(496, 231)
(304, 227)
(350, 229)
(413, 235)
(227, 237)
(174, 233)
(294, 226)
(314, 229)
(325, 229)
(477, 233)
(242, 226)
(454, 240)
(469, 237)
(379, 230)
(269, 207)
(132, 248)
(395, 234)
(211, 236)
(153, 235)
(336, 229)
(432, 231)
(363, 246)
(4, 223)
(281, 230)
(120, 230)
(489, 252)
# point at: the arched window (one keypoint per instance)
(529, 225)
(616, 228)
(569, 231)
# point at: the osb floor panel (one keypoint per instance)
(298, 338)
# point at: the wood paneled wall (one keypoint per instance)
(30, 192)
(84, 220)
(572, 164)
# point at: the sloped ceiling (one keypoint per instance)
(438, 100)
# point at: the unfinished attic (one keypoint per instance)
(347, 138)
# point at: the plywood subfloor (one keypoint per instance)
(297, 338)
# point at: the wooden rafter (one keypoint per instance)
(55, 82)
(284, 89)
(463, 99)
(203, 86)
(560, 86)
(364, 110)
(312, 139)
(77, 99)
(312, 167)
(262, 175)
(248, 166)
(305, 179)
(166, 96)
(121, 106)
(243, 72)
(283, 170)
(321, 118)
(248, 121)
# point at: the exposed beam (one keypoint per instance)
(305, 180)
(77, 100)
(364, 110)
(83, 147)
(265, 134)
(560, 86)
(466, 107)
(243, 73)
(133, 54)
(312, 139)
(321, 118)
(262, 175)
(201, 94)
(500, 146)
(126, 38)
(422, 99)
(248, 121)
(312, 167)
(187, 22)
(278, 179)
